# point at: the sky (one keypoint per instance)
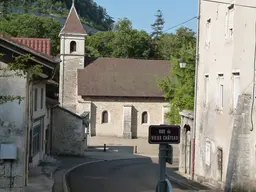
(141, 12)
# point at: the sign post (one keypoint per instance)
(163, 135)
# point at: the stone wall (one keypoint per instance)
(125, 115)
(241, 148)
(10, 134)
(68, 81)
(68, 132)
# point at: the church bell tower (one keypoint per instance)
(72, 52)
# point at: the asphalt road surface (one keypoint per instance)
(133, 175)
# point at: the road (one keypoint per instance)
(131, 175)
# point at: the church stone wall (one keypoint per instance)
(115, 108)
(68, 133)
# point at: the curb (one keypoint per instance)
(191, 187)
(64, 181)
(67, 189)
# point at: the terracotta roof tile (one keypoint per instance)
(73, 23)
(38, 44)
(122, 77)
(42, 49)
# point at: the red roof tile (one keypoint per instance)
(38, 44)
(73, 23)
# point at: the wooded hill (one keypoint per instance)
(90, 13)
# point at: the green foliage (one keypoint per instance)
(91, 13)
(100, 44)
(122, 42)
(158, 25)
(26, 25)
(178, 88)
(5, 99)
(22, 68)
(4, 8)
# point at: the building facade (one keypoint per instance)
(225, 137)
(23, 124)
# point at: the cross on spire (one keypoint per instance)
(73, 2)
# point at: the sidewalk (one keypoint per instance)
(127, 145)
(193, 186)
(41, 178)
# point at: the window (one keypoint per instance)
(36, 139)
(72, 46)
(144, 117)
(42, 98)
(104, 117)
(208, 153)
(220, 91)
(206, 89)
(35, 100)
(37, 136)
(230, 21)
(236, 88)
(208, 32)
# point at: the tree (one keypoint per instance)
(178, 87)
(122, 42)
(100, 44)
(94, 15)
(20, 68)
(129, 42)
(158, 25)
(4, 8)
(32, 26)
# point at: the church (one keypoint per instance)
(121, 96)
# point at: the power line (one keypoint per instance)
(180, 24)
(226, 3)
(211, 1)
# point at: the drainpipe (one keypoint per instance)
(63, 68)
(195, 93)
(27, 124)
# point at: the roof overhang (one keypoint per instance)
(12, 50)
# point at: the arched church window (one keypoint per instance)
(104, 118)
(144, 117)
(72, 46)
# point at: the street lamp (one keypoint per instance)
(183, 64)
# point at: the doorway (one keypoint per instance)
(187, 142)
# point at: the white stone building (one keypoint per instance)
(225, 116)
(24, 124)
(121, 95)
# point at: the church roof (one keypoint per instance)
(73, 23)
(122, 77)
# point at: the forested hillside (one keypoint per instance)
(90, 13)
